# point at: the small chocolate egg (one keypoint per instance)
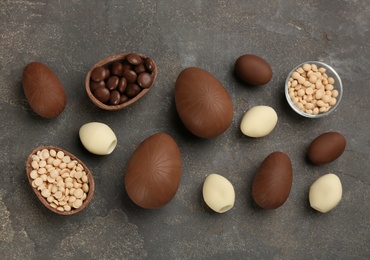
(273, 181)
(43, 90)
(326, 148)
(153, 173)
(203, 104)
(253, 70)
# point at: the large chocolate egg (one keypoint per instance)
(154, 172)
(203, 104)
(273, 181)
(253, 70)
(43, 90)
(326, 148)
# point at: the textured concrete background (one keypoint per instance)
(70, 36)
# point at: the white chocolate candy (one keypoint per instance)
(218, 193)
(259, 121)
(325, 193)
(98, 138)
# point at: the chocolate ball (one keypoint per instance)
(102, 94)
(98, 74)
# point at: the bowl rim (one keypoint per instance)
(90, 193)
(107, 61)
(338, 86)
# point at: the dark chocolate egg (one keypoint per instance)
(273, 181)
(253, 70)
(326, 148)
(44, 91)
(154, 172)
(203, 104)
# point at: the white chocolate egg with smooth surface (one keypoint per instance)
(258, 121)
(325, 193)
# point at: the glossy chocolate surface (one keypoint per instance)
(326, 148)
(253, 70)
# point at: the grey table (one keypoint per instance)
(71, 36)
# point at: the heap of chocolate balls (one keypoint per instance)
(120, 81)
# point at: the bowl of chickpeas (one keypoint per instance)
(313, 89)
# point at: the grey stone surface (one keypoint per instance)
(70, 36)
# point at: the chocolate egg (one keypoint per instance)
(154, 172)
(253, 70)
(273, 181)
(203, 104)
(44, 91)
(326, 148)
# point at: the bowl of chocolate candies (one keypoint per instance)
(120, 80)
(313, 89)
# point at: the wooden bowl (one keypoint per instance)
(105, 63)
(43, 200)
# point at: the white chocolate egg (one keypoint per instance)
(325, 193)
(259, 121)
(218, 193)
(98, 138)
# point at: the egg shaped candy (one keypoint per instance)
(326, 148)
(153, 173)
(273, 181)
(253, 70)
(259, 121)
(43, 90)
(98, 138)
(325, 193)
(202, 103)
(218, 193)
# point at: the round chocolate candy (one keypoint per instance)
(144, 80)
(132, 90)
(112, 83)
(98, 74)
(95, 85)
(115, 97)
(123, 99)
(134, 59)
(102, 94)
(130, 75)
(149, 64)
(126, 66)
(107, 73)
(139, 69)
(116, 69)
(122, 85)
